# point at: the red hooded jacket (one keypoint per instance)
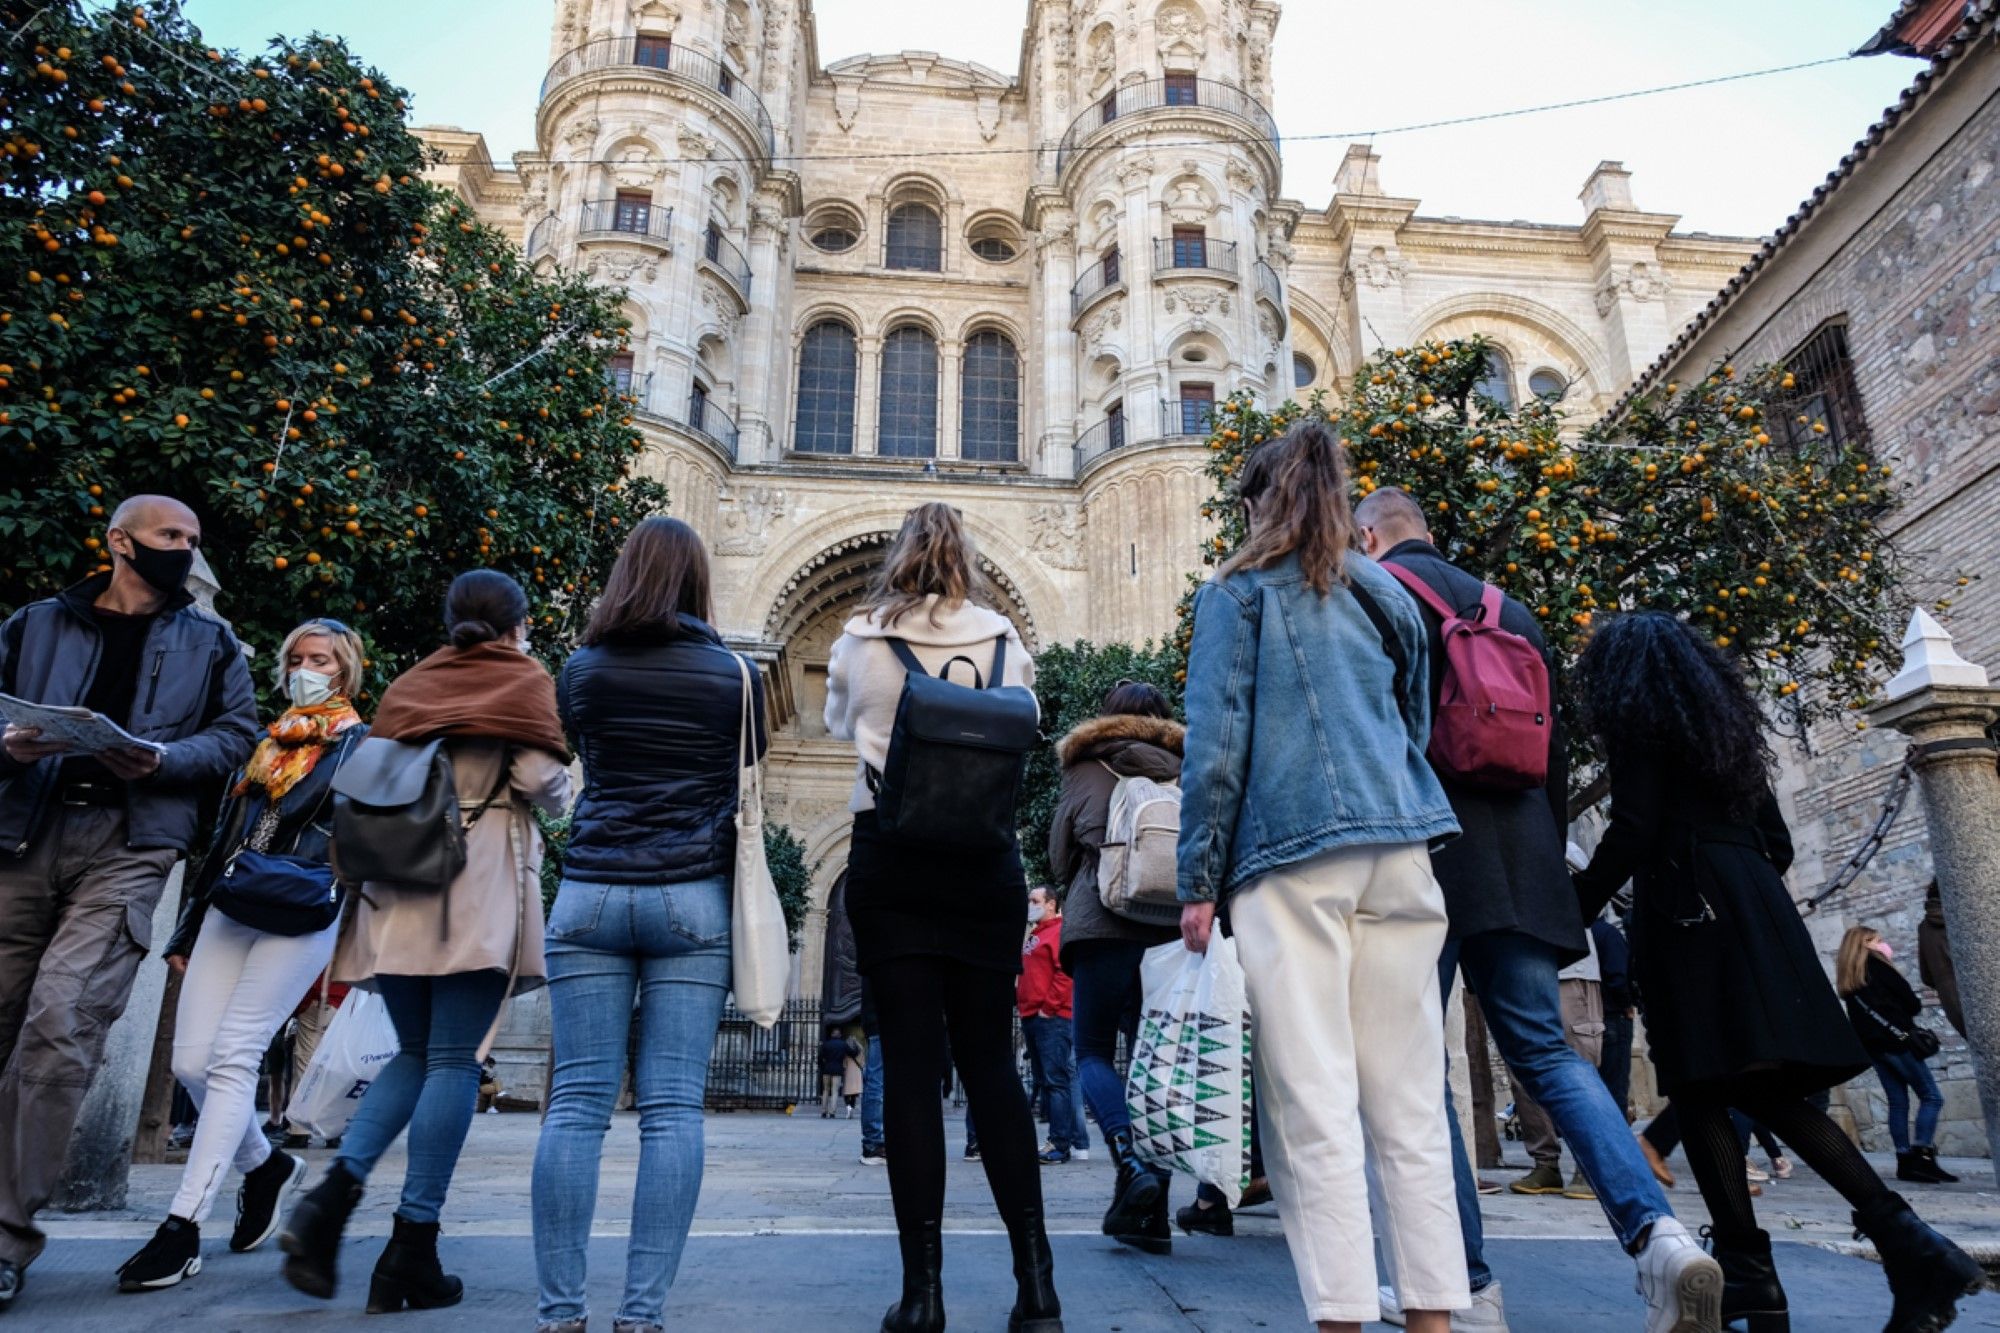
(1043, 991)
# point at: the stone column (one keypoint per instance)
(951, 354)
(867, 388)
(1944, 705)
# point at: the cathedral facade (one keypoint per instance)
(858, 286)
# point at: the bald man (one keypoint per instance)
(87, 841)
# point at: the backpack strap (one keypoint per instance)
(915, 667)
(1391, 644)
(1421, 590)
(999, 662)
(1489, 605)
(906, 657)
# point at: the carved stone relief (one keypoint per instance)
(694, 144)
(656, 16)
(1381, 269)
(746, 518)
(846, 101)
(1101, 327)
(622, 266)
(986, 105)
(582, 132)
(1058, 539)
(1642, 282)
(1197, 303)
(1180, 33)
(1135, 173)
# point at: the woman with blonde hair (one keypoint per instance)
(937, 926)
(246, 960)
(1883, 1010)
(1308, 811)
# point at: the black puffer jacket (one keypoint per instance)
(653, 716)
(1884, 1011)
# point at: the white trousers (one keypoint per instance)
(241, 985)
(1340, 957)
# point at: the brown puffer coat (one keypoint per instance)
(1094, 757)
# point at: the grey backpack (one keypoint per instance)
(396, 816)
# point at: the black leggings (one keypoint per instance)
(1716, 1152)
(919, 1001)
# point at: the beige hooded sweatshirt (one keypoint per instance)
(864, 681)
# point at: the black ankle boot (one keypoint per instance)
(1750, 1288)
(1927, 1273)
(1938, 1175)
(1036, 1309)
(409, 1274)
(1135, 1192)
(1214, 1220)
(1911, 1171)
(311, 1235)
(922, 1308)
(1153, 1233)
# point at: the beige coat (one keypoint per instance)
(495, 904)
(864, 681)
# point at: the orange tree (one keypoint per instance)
(222, 278)
(1726, 500)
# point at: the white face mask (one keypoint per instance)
(306, 688)
(1036, 912)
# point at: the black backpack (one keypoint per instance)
(396, 818)
(956, 754)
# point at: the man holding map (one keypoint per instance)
(91, 823)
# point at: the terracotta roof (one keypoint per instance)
(1979, 22)
(1917, 28)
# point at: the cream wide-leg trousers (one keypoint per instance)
(1340, 957)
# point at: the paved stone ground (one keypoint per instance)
(793, 1230)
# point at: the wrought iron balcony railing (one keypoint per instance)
(1195, 254)
(718, 250)
(680, 63)
(1099, 278)
(1173, 92)
(600, 218)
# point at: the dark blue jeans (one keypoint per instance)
(1105, 996)
(1614, 1065)
(1903, 1073)
(1049, 1039)
(1514, 977)
(432, 1086)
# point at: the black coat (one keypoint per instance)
(654, 718)
(305, 829)
(1884, 1011)
(1505, 870)
(1727, 975)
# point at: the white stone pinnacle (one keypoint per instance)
(1929, 659)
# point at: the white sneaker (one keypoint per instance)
(1681, 1284)
(1079, 1154)
(1487, 1314)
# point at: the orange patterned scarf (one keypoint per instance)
(294, 744)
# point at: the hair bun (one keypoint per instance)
(466, 633)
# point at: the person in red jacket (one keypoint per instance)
(1043, 997)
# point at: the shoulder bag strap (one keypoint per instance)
(746, 737)
(1892, 1029)
(1391, 644)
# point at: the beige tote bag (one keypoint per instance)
(759, 946)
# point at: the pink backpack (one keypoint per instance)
(1493, 716)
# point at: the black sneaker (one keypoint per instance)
(173, 1253)
(873, 1154)
(257, 1201)
(971, 1152)
(11, 1278)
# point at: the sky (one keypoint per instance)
(1734, 159)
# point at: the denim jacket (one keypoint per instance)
(1296, 744)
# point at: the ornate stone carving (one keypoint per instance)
(1061, 45)
(1136, 172)
(736, 30)
(622, 265)
(694, 144)
(1606, 297)
(1103, 55)
(1058, 233)
(534, 195)
(638, 167)
(1267, 324)
(746, 518)
(569, 25)
(582, 132)
(1642, 282)
(1058, 539)
(846, 101)
(656, 16)
(986, 105)
(1101, 327)
(1381, 269)
(1238, 173)
(1197, 303)
(721, 305)
(1180, 33)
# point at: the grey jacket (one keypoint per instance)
(194, 697)
(1094, 756)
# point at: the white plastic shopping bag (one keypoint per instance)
(351, 1052)
(1189, 1087)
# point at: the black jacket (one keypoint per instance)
(194, 696)
(654, 719)
(1728, 976)
(1094, 756)
(305, 829)
(1505, 870)
(1884, 1011)
(835, 1052)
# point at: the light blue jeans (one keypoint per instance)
(432, 1086)
(667, 946)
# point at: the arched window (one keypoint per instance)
(909, 399)
(915, 238)
(989, 399)
(1546, 383)
(826, 390)
(1304, 372)
(1498, 381)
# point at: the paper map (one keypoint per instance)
(83, 731)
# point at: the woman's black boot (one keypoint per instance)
(1927, 1273)
(1750, 1288)
(1154, 1234)
(1135, 1192)
(409, 1273)
(311, 1235)
(1938, 1175)
(1036, 1309)
(922, 1308)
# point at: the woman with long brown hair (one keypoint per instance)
(937, 926)
(658, 709)
(1308, 808)
(1883, 1009)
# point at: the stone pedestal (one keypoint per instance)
(1955, 762)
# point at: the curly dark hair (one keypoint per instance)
(1648, 681)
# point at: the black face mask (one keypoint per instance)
(164, 569)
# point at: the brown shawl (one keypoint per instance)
(490, 689)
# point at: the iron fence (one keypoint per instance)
(1185, 416)
(1269, 287)
(625, 217)
(1177, 92)
(658, 56)
(721, 252)
(1196, 253)
(1096, 280)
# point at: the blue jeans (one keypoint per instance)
(1049, 1038)
(432, 1086)
(1903, 1073)
(667, 946)
(1105, 995)
(1514, 977)
(871, 1095)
